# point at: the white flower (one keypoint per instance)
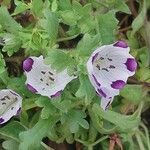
(10, 104)
(108, 68)
(44, 80)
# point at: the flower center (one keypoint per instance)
(104, 63)
(47, 78)
(6, 102)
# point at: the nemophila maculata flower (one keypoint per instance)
(44, 80)
(10, 105)
(108, 68)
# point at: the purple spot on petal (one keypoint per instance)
(18, 111)
(119, 84)
(101, 93)
(27, 64)
(94, 57)
(121, 44)
(1, 120)
(56, 94)
(96, 81)
(131, 64)
(30, 88)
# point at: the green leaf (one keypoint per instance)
(63, 106)
(18, 84)
(12, 43)
(144, 74)
(7, 22)
(10, 145)
(50, 25)
(132, 93)
(37, 7)
(20, 7)
(58, 59)
(107, 26)
(86, 89)
(48, 107)
(118, 6)
(69, 17)
(124, 122)
(2, 64)
(12, 130)
(139, 20)
(65, 4)
(31, 139)
(75, 118)
(87, 44)
(54, 5)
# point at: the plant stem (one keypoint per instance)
(46, 147)
(139, 140)
(90, 147)
(100, 140)
(67, 38)
(147, 135)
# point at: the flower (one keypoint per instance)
(108, 69)
(10, 104)
(44, 80)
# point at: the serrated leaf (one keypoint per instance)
(58, 59)
(107, 26)
(65, 4)
(139, 20)
(37, 6)
(74, 127)
(31, 139)
(132, 93)
(48, 107)
(50, 25)
(54, 5)
(74, 118)
(143, 74)
(10, 145)
(63, 106)
(7, 22)
(9, 132)
(85, 90)
(11, 43)
(69, 17)
(20, 7)
(124, 122)
(118, 6)
(87, 44)
(2, 64)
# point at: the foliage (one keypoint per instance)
(66, 32)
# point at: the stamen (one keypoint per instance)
(109, 59)
(51, 78)
(41, 79)
(7, 97)
(3, 99)
(101, 58)
(112, 67)
(105, 69)
(43, 72)
(108, 104)
(98, 67)
(50, 73)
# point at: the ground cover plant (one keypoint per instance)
(74, 74)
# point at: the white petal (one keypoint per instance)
(10, 103)
(105, 103)
(45, 80)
